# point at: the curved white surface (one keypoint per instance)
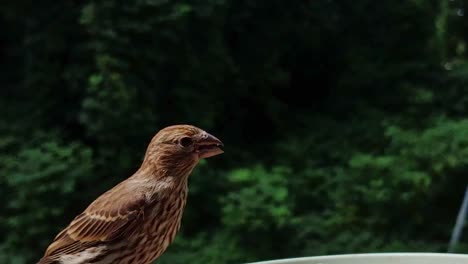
(379, 258)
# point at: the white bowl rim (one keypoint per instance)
(367, 256)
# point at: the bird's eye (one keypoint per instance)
(185, 142)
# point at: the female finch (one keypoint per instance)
(135, 221)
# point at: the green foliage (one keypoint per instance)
(345, 123)
(259, 200)
(220, 247)
(40, 180)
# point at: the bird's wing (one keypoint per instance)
(112, 215)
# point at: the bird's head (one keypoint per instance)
(181, 146)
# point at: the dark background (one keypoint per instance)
(345, 122)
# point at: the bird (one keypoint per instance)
(136, 220)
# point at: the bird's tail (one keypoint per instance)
(46, 260)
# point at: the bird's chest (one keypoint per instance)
(161, 224)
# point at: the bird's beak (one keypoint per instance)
(208, 146)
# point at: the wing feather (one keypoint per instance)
(112, 215)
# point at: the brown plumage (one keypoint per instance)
(135, 221)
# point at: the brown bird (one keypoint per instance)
(135, 221)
